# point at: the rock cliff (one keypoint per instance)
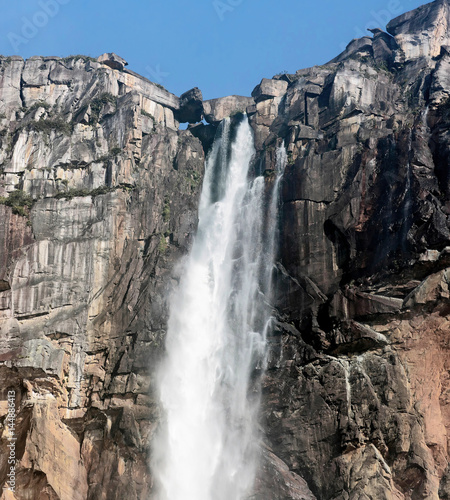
(98, 202)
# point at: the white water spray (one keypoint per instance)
(208, 449)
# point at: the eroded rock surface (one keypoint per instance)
(215, 110)
(85, 271)
(100, 193)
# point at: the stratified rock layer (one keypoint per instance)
(86, 271)
(99, 204)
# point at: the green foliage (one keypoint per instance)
(19, 201)
(162, 247)
(281, 73)
(115, 151)
(382, 66)
(39, 104)
(47, 125)
(166, 210)
(143, 112)
(98, 103)
(101, 190)
(193, 178)
(196, 177)
(363, 59)
(112, 154)
(269, 174)
(73, 193)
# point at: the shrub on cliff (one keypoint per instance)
(19, 201)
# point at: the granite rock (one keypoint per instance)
(103, 190)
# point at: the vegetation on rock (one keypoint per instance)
(19, 201)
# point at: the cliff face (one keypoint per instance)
(356, 397)
(84, 271)
(99, 193)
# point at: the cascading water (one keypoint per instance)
(208, 448)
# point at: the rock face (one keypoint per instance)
(84, 272)
(191, 106)
(99, 193)
(216, 110)
(421, 33)
(113, 61)
(268, 89)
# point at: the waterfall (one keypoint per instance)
(219, 315)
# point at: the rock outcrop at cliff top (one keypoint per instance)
(99, 191)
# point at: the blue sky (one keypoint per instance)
(222, 46)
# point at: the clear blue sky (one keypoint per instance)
(223, 47)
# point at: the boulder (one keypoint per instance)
(40, 354)
(191, 106)
(366, 304)
(217, 109)
(354, 337)
(112, 60)
(277, 482)
(361, 46)
(383, 48)
(268, 89)
(433, 288)
(205, 133)
(51, 448)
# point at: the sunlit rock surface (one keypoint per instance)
(103, 191)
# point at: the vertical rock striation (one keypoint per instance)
(85, 270)
(99, 192)
(356, 395)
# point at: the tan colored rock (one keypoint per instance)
(423, 31)
(368, 475)
(52, 449)
(269, 89)
(433, 288)
(215, 110)
(112, 60)
(364, 304)
(77, 271)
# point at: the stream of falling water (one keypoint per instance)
(216, 340)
